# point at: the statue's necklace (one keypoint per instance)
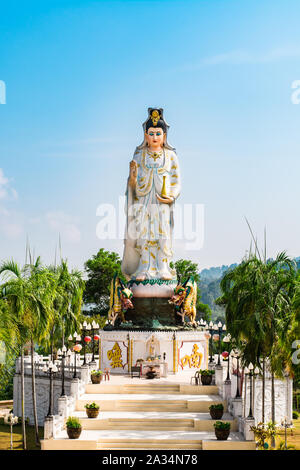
(155, 155)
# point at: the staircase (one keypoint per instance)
(149, 416)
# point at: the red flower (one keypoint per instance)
(87, 339)
(96, 337)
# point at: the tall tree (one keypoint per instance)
(26, 292)
(67, 303)
(13, 293)
(42, 285)
(100, 270)
(257, 296)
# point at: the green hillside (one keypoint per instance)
(210, 287)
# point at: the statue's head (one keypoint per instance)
(155, 137)
(156, 129)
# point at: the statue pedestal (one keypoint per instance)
(152, 313)
(151, 308)
(152, 288)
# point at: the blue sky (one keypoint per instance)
(79, 78)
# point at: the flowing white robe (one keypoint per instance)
(148, 239)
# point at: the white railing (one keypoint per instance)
(41, 361)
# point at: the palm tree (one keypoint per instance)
(9, 332)
(26, 292)
(66, 304)
(257, 296)
(43, 286)
(13, 297)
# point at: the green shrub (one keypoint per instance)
(218, 406)
(296, 414)
(263, 432)
(73, 422)
(96, 372)
(206, 372)
(222, 425)
(92, 406)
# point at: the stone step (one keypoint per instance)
(200, 406)
(135, 424)
(152, 421)
(144, 388)
(150, 402)
(96, 440)
(147, 445)
(197, 425)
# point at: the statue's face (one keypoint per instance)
(155, 138)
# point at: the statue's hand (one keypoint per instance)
(165, 200)
(133, 173)
(133, 169)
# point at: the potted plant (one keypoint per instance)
(92, 410)
(216, 411)
(222, 430)
(96, 376)
(73, 427)
(206, 376)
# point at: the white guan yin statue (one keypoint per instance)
(152, 188)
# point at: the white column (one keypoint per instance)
(74, 391)
(219, 376)
(48, 427)
(226, 389)
(63, 406)
(237, 405)
(246, 424)
(85, 373)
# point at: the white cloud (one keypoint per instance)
(6, 190)
(241, 56)
(10, 224)
(10, 228)
(3, 180)
(246, 57)
(64, 225)
(3, 211)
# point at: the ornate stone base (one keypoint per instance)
(152, 310)
(152, 313)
